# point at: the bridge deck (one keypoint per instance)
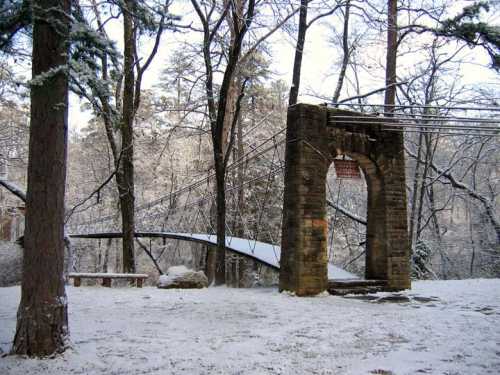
(263, 252)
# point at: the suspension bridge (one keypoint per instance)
(253, 223)
(256, 191)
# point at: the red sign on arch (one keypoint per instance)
(348, 169)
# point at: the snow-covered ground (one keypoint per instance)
(259, 331)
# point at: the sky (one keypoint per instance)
(318, 69)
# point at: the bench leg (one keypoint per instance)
(139, 283)
(77, 282)
(106, 282)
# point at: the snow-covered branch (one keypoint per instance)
(346, 212)
(16, 190)
(456, 183)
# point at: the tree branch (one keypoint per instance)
(371, 92)
(96, 191)
(17, 191)
(346, 212)
(150, 255)
(487, 204)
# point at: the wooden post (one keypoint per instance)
(139, 282)
(77, 282)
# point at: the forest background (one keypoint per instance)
(452, 181)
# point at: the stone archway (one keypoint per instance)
(315, 135)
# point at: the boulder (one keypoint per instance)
(11, 263)
(180, 277)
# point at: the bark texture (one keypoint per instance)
(42, 320)
(126, 182)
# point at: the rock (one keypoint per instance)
(180, 277)
(11, 263)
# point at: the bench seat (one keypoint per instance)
(138, 278)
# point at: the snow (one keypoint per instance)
(264, 252)
(11, 263)
(108, 275)
(178, 270)
(260, 331)
(164, 279)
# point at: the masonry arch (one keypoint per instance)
(375, 253)
(315, 136)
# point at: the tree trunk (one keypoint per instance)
(218, 260)
(392, 47)
(346, 53)
(210, 261)
(42, 319)
(420, 202)
(433, 210)
(220, 269)
(123, 147)
(239, 229)
(417, 185)
(299, 50)
(232, 95)
(217, 111)
(126, 188)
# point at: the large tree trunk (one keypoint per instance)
(218, 260)
(227, 135)
(126, 186)
(42, 319)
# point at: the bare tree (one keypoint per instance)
(221, 114)
(118, 118)
(217, 110)
(299, 47)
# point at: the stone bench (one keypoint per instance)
(137, 278)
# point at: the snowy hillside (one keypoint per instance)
(443, 327)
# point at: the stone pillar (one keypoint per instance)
(303, 268)
(314, 135)
(397, 240)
